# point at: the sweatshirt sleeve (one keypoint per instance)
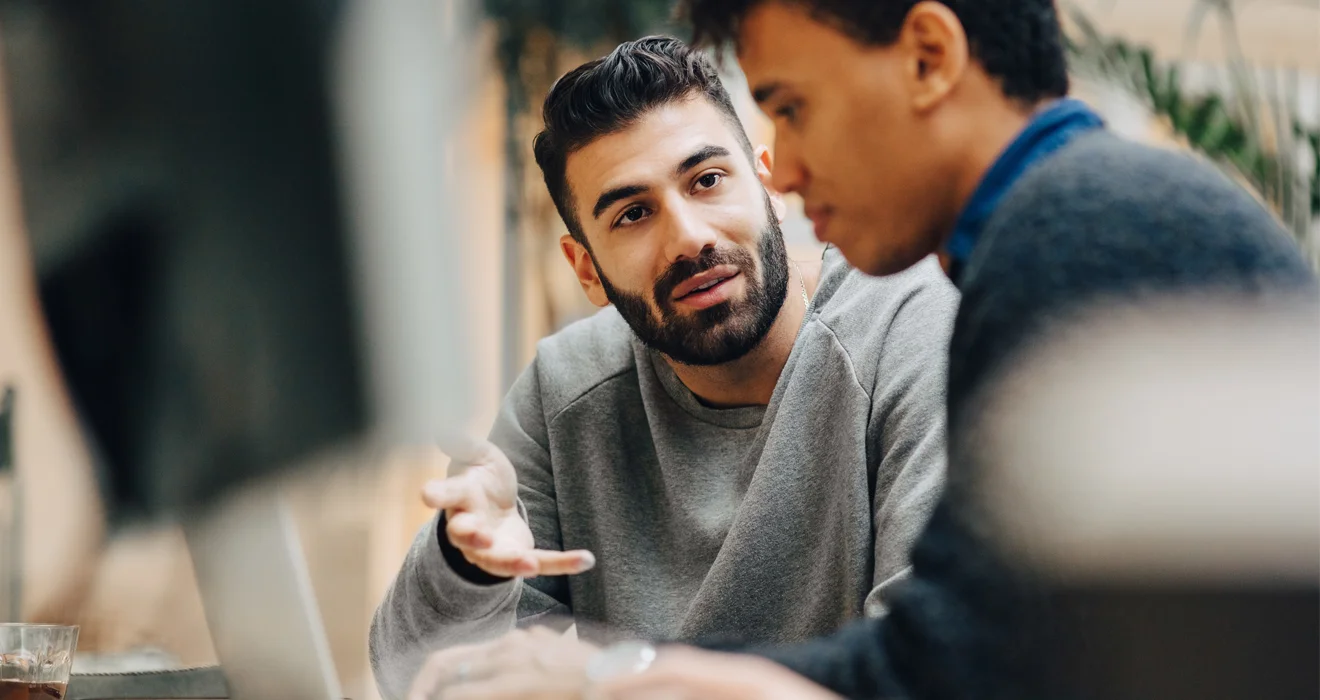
(907, 429)
(432, 604)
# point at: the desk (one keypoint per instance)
(201, 683)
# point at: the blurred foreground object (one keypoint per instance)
(179, 186)
(1159, 465)
(241, 227)
(244, 220)
(11, 514)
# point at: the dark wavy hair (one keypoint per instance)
(610, 94)
(1018, 42)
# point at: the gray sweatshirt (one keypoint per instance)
(764, 524)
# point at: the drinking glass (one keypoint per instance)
(35, 660)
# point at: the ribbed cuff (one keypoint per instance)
(450, 593)
(459, 563)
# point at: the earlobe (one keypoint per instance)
(579, 258)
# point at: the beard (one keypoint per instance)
(724, 332)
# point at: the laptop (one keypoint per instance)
(259, 602)
(260, 609)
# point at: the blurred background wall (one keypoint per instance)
(1237, 82)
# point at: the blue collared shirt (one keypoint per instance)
(1051, 129)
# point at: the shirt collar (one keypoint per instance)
(1050, 129)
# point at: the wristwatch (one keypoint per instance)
(620, 659)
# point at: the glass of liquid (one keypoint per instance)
(35, 660)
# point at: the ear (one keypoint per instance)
(937, 53)
(764, 165)
(579, 258)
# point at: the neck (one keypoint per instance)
(993, 130)
(751, 379)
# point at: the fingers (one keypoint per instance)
(467, 531)
(653, 689)
(678, 673)
(550, 563)
(689, 673)
(520, 664)
(466, 451)
(457, 493)
(462, 447)
(506, 563)
(477, 487)
(442, 667)
(660, 683)
(518, 685)
(471, 533)
(528, 563)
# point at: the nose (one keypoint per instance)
(789, 173)
(688, 234)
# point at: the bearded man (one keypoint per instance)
(742, 447)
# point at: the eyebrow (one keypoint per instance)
(700, 156)
(765, 92)
(609, 197)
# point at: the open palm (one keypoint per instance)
(480, 501)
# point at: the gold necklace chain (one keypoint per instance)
(802, 282)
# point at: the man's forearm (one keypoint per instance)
(431, 606)
(850, 662)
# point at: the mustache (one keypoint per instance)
(685, 269)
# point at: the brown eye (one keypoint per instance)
(709, 180)
(632, 215)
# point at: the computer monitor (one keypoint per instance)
(245, 233)
(243, 229)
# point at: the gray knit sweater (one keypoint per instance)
(772, 523)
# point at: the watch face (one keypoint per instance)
(620, 659)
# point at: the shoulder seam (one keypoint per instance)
(852, 366)
(903, 297)
(585, 392)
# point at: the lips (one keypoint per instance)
(704, 281)
(820, 219)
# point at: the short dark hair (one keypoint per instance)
(1018, 42)
(610, 94)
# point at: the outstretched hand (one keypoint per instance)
(480, 501)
